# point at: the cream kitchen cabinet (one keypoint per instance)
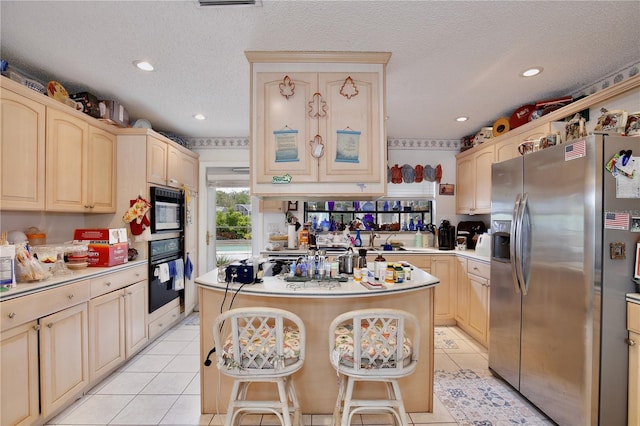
(19, 374)
(64, 361)
(117, 321)
(633, 324)
(318, 119)
(444, 267)
(80, 165)
(508, 148)
(473, 177)
(168, 165)
(22, 154)
(472, 308)
(462, 291)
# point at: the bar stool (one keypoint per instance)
(264, 345)
(364, 347)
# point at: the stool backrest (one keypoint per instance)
(389, 342)
(259, 341)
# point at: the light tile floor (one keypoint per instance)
(161, 386)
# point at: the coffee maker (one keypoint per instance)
(446, 235)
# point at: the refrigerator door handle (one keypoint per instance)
(524, 287)
(512, 246)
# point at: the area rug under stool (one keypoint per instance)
(479, 399)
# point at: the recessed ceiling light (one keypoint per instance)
(199, 117)
(143, 65)
(531, 72)
(461, 119)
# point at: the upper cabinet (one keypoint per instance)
(22, 152)
(318, 118)
(53, 159)
(80, 165)
(169, 166)
(473, 175)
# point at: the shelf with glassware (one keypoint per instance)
(388, 215)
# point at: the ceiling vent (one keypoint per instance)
(229, 2)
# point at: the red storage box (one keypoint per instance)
(107, 247)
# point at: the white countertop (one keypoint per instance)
(278, 287)
(633, 298)
(23, 289)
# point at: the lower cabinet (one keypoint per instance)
(64, 363)
(633, 324)
(472, 307)
(118, 326)
(444, 267)
(19, 375)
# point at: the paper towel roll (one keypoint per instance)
(292, 240)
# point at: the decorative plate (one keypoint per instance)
(56, 91)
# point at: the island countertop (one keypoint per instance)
(317, 306)
(278, 287)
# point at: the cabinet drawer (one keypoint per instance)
(22, 309)
(480, 269)
(117, 280)
(164, 322)
(633, 317)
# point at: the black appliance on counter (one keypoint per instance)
(161, 252)
(446, 236)
(471, 230)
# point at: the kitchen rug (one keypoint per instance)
(443, 340)
(477, 398)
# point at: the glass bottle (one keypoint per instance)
(358, 239)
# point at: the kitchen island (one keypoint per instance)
(317, 305)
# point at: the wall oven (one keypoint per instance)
(167, 211)
(164, 275)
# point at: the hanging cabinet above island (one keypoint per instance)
(317, 124)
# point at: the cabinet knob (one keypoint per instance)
(108, 283)
(630, 342)
(12, 315)
(71, 296)
(50, 325)
(36, 327)
(129, 293)
(86, 206)
(92, 206)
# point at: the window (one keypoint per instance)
(233, 224)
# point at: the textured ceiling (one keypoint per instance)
(449, 58)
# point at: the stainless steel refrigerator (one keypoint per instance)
(559, 275)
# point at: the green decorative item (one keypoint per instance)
(282, 179)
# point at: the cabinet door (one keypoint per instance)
(101, 171)
(135, 307)
(482, 179)
(22, 153)
(478, 307)
(507, 149)
(353, 104)
(443, 268)
(66, 162)
(466, 185)
(462, 291)
(634, 379)
(156, 161)
(284, 112)
(189, 167)
(106, 339)
(64, 364)
(19, 375)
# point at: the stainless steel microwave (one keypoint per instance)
(167, 210)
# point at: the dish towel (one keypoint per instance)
(188, 268)
(163, 272)
(178, 277)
